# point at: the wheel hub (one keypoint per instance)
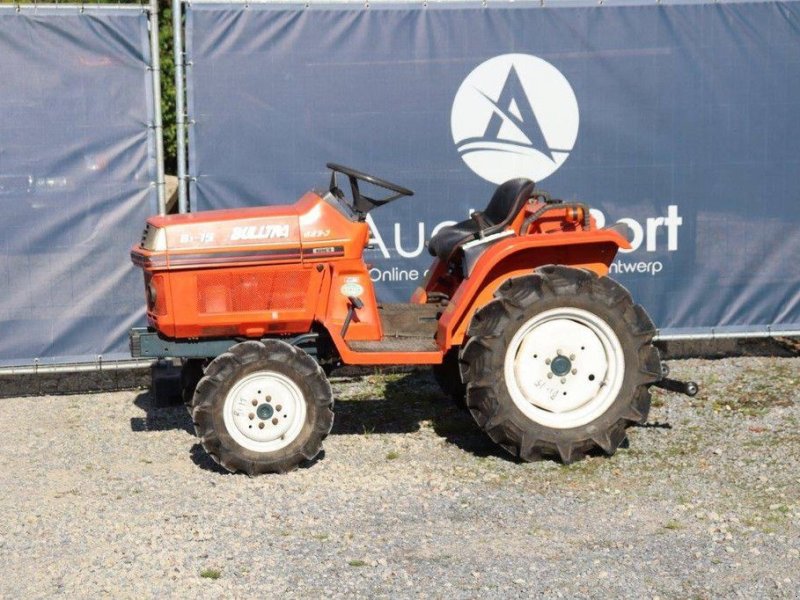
(265, 411)
(560, 366)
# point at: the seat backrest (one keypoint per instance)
(508, 200)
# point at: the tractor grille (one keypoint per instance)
(252, 290)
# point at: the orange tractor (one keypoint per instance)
(516, 315)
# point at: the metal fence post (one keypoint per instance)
(157, 122)
(180, 111)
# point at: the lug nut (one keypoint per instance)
(255, 403)
(251, 416)
(279, 408)
(547, 361)
(261, 425)
(572, 357)
(549, 375)
(574, 371)
(275, 421)
(563, 380)
(268, 398)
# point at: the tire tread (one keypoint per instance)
(514, 300)
(224, 368)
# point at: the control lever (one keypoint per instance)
(355, 304)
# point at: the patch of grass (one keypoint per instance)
(768, 520)
(757, 397)
(759, 440)
(682, 448)
(769, 530)
(320, 536)
(391, 455)
(210, 573)
(357, 563)
(751, 521)
(673, 525)
(588, 466)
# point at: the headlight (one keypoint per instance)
(152, 295)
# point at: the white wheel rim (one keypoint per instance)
(264, 411)
(564, 367)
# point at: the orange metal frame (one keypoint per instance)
(278, 270)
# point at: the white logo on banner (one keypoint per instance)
(514, 115)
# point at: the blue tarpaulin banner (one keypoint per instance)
(76, 171)
(678, 119)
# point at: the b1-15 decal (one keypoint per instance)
(204, 237)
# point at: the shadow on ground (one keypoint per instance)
(201, 458)
(160, 418)
(407, 400)
(168, 418)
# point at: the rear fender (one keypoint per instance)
(516, 256)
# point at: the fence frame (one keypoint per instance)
(149, 7)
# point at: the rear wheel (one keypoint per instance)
(559, 363)
(263, 407)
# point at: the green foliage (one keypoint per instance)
(357, 563)
(167, 85)
(210, 573)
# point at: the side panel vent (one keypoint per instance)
(244, 290)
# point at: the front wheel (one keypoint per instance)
(559, 363)
(263, 407)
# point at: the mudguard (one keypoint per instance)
(519, 255)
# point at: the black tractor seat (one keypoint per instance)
(507, 201)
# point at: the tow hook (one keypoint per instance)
(688, 388)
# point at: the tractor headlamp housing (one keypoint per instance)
(152, 295)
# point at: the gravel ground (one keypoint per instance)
(103, 494)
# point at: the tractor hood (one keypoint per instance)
(222, 229)
(266, 234)
(310, 229)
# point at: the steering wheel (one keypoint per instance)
(363, 204)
